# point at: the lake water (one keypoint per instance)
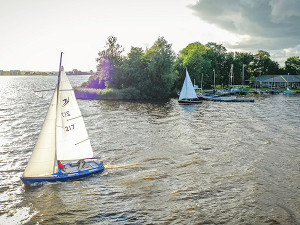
(213, 163)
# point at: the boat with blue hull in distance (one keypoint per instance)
(289, 92)
(63, 138)
(188, 94)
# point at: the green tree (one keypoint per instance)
(292, 65)
(263, 65)
(242, 59)
(109, 63)
(253, 82)
(134, 70)
(160, 58)
(154, 73)
(193, 59)
(216, 54)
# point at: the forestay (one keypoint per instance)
(187, 91)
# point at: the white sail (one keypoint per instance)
(288, 91)
(42, 160)
(187, 91)
(72, 141)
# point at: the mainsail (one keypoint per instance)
(72, 141)
(187, 91)
(42, 160)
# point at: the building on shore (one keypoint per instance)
(279, 81)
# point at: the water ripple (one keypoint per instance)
(213, 163)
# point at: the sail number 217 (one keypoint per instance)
(70, 127)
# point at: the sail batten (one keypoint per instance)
(74, 118)
(81, 141)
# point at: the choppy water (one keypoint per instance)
(213, 163)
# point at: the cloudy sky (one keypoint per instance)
(34, 32)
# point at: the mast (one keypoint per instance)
(230, 78)
(59, 71)
(58, 81)
(243, 76)
(214, 81)
(231, 75)
(201, 83)
(186, 84)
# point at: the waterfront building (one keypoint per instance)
(279, 81)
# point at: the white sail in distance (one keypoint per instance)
(187, 91)
(72, 141)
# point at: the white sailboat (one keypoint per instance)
(63, 137)
(289, 92)
(188, 94)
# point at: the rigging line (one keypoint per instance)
(73, 118)
(44, 90)
(81, 141)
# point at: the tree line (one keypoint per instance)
(158, 72)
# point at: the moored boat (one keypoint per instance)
(289, 92)
(188, 94)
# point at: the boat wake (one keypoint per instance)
(121, 166)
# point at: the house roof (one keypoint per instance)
(279, 78)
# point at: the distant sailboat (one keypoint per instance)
(188, 94)
(63, 137)
(289, 92)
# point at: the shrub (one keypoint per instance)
(107, 94)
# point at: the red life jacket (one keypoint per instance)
(60, 165)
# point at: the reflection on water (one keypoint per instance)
(212, 163)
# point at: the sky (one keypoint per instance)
(34, 32)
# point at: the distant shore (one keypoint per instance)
(41, 73)
(24, 75)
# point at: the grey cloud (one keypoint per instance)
(282, 54)
(270, 24)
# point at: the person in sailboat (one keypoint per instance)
(60, 166)
(81, 163)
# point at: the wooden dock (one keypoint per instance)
(229, 99)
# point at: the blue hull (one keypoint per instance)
(60, 176)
